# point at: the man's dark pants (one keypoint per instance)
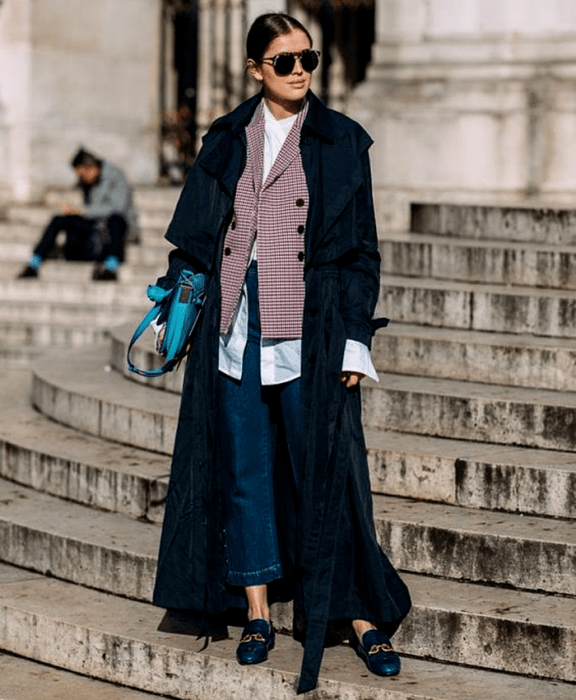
(84, 239)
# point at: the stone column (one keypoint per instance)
(220, 63)
(237, 52)
(205, 69)
(471, 100)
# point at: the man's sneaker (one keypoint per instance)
(101, 274)
(28, 272)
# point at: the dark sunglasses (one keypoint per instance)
(284, 63)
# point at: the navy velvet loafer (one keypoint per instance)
(257, 640)
(377, 652)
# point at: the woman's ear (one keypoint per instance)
(254, 69)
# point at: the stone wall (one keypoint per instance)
(77, 73)
(471, 100)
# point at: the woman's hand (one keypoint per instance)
(351, 378)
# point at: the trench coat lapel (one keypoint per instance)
(226, 157)
(332, 170)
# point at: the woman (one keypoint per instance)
(269, 497)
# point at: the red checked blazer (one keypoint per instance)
(275, 211)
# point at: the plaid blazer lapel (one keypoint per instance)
(289, 151)
(255, 140)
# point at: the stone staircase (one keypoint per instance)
(64, 308)
(471, 434)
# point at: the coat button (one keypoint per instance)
(301, 256)
(301, 229)
(299, 202)
(227, 251)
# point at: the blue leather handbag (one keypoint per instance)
(179, 309)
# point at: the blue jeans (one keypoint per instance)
(247, 412)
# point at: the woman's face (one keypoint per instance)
(287, 91)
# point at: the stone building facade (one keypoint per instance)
(467, 100)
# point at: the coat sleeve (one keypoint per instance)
(178, 260)
(360, 272)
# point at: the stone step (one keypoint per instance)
(434, 407)
(117, 554)
(123, 294)
(36, 335)
(145, 198)
(66, 272)
(53, 458)
(38, 216)
(124, 641)
(20, 238)
(28, 680)
(70, 313)
(497, 358)
(499, 309)
(471, 411)
(79, 390)
(473, 475)
(482, 262)
(527, 224)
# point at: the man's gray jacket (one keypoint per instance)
(112, 195)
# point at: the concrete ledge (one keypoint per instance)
(498, 309)
(59, 461)
(117, 554)
(551, 226)
(474, 475)
(79, 390)
(480, 262)
(469, 411)
(495, 358)
(117, 640)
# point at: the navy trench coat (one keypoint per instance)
(334, 567)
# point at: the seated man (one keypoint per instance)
(98, 230)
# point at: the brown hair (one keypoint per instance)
(268, 27)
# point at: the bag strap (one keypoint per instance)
(157, 295)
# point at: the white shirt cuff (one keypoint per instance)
(357, 359)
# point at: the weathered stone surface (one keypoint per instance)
(57, 460)
(83, 393)
(118, 640)
(482, 262)
(117, 554)
(473, 475)
(23, 680)
(498, 309)
(496, 358)
(532, 225)
(452, 542)
(468, 411)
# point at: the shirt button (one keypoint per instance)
(227, 251)
(299, 202)
(300, 229)
(301, 256)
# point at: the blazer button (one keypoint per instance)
(299, 202)
(301, 256)
(233, 225)
(227, 251)
(300, 229)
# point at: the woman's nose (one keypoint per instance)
(298, 65)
